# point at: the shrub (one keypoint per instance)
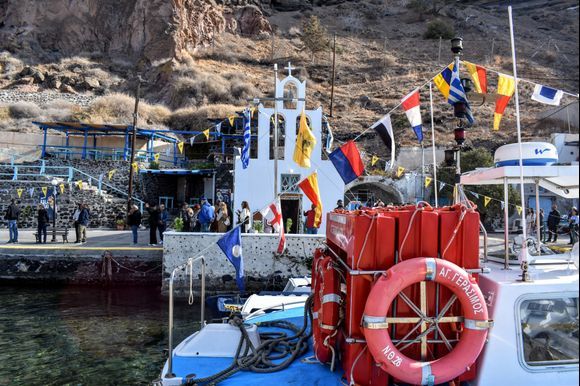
(118, 108)
(314, 36)
(438, 29)
(24, 109)
(190, 118)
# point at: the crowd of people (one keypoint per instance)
(206, 217)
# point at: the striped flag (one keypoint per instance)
(411, 105)
(457, 94)
(247, 137)
(479, 76)
(506, 86)
(384, 129)
(347, 161)
(547, 95)
(309, 186)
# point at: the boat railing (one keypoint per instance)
(189, 264)
(484, 241)
(278, 307)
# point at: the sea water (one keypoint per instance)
(86, 335)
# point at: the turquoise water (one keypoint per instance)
(86, 336)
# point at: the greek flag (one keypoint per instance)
(457, 93)
(247, 136)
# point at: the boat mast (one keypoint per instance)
(276, 130)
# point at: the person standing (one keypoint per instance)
(206, 215)
(43, 221)
(195, 224)
(530, 222)
(163, 219)
(554, 218)
(245, 217)
(310, 217)
(84, 219)
(153, 223)
(134, 221)
(574, 221)
(339, 205)
(12, 214)
(541, 220)
(75, 218)
(223, 218)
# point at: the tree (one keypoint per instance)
(314, 36)
(471, 160)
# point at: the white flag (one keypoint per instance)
(547, 95)
(273, 216)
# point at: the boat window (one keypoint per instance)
(549, 329)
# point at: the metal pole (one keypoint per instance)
(333, 75)
(435, 190)
(538, 225)
(422, 172)
(170, 359)
(53, 216)
(133, 140)
(457, 200)
(506, 235)
(276, 130)
(519, 131)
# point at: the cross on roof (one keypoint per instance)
(290, 68)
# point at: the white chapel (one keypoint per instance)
(256, 183)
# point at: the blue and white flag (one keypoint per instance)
(457, 93)
(31, 192)
(247, 136)
(42, 167)
(218, 128)
(231, 245)
(547, 95)
(15, 175)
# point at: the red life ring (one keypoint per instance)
(326, 310)
(475, 321)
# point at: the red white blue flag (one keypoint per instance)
(346, 159)
(411, 104)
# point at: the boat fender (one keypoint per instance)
(475, 321)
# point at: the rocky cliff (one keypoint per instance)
(137, 30)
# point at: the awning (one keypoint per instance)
(559, 179)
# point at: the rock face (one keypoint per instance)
(138, 30)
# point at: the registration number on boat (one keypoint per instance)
(391, 356)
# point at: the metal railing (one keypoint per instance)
(189, 263)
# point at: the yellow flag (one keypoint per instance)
(231, 118)
(479, 76)
(374, 160)
(443, 80)
(61, 186)
(519, 209)
(486, 201)
(112, 173)
(400, 171)
(19, 192)
(252, 109)
(44, 190)
(206, 133)
(428, 181)
(305, 142)
(454, 191)
(135, 166)
(156, 157)
(80, 184)
(180, 147)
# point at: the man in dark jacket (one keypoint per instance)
(553, 221)
(134, 221)
(43, 221)
(84, 219)
(153, 223)
(11, 216)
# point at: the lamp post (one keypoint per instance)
(459, 111)
(133, 140)
(54, 183)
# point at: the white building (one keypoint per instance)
(256, 183)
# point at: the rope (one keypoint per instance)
(417, 210)
(274, 346)
(134, 270)
(461, 217)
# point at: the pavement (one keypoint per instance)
(97, 240)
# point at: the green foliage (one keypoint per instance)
(439, 29)
(288, 224)
(258, 226)
(470, 160)
(178, 224)
(314, 36)
(154, 165)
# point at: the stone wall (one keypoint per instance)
(263, 269)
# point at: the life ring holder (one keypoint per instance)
(376, 321)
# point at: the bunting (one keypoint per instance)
(486, 201)
(180, 147)
(547, 95)
(506, 86)
(347, 161)
(232, 119)
(206, 134)
(479, 76)
(80, 184)
(61, 186)
(156, 157)
(374, 160)
(44, 191)
(111, 174)
(135, 166)
(31, 192)
(519, 209)
(443, 80)
(19, 192)
(400, 171)
(441, 185)
(428, 181)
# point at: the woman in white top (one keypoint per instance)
(530, 222)
(245, 217)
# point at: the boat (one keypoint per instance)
(405, 295)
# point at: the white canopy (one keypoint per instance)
(561, 180)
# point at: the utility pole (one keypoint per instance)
(276, 130)
(133, 140)
(333, 74)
